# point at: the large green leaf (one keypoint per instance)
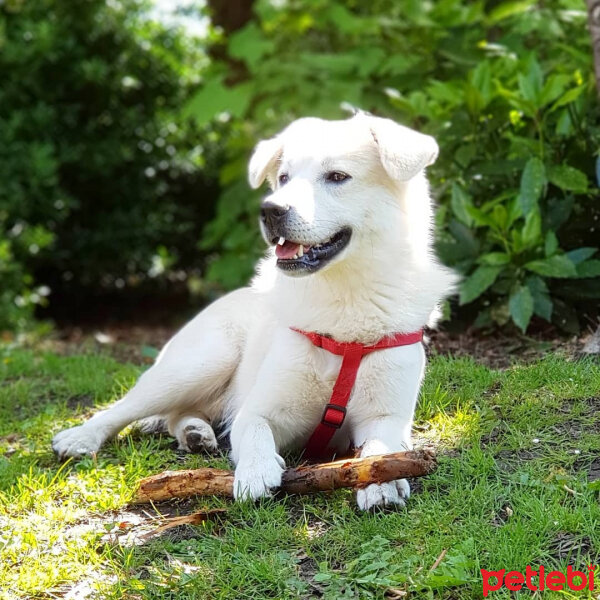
(532, 184)
(215, 98)
(530, 83)
(557, 212)
(460, 202)
(249, 44)
(495, 259)
(568, 178)
(465, 237)
(554, 266)
(542, 304)
(554, 87)
(550, 244)
(568, 97)
(520, 305)
(479, 281)
(481, 87)
(509, 9)
(531, 233)
(589, 268)
(580, 254)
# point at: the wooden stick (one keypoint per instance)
(352, 472)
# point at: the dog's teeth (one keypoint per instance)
(295, 256)
(281, 241)
(301, 251)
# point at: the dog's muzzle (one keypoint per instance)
(297, 257)
(273, 217)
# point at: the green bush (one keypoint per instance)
(100, 186)
(507, 89)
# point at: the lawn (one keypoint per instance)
(518, 483)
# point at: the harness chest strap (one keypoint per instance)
(352, 353)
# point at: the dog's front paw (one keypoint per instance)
(257, 478)
(383, 494)
(77, 441)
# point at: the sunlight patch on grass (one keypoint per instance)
(451, 430)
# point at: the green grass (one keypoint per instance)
(519, 453)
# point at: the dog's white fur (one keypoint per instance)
(239, 362)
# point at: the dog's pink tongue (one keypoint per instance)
(287, 250)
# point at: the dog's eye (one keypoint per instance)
(283, 178)
(337, 176)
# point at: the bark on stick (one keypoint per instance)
(352, 472)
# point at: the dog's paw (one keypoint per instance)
(383, 494)
(77, 441)
(195, 435)
(198, 438)
(256, 479)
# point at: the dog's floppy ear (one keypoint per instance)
(404, 152)
(263, 163)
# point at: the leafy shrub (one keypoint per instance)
(507, 89)
(92, 163)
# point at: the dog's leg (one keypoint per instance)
(189, 376)
(383, 409)
(157, 391)
(154, 425)
(193, 433)
(258, 465)
(380, 436)
(264, 425)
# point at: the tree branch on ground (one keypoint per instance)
(352, 472)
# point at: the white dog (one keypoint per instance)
(349, 225)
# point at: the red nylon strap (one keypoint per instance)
(352, 353)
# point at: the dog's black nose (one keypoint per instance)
(272, 214)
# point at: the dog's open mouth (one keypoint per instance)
(293, 256)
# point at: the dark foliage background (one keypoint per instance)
(123, 143)
(103, 186)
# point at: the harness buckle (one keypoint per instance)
(341, 409)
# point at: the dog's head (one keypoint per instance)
(334, 184)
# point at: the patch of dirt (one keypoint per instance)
(594, 470)
(139, 342)
(503, 515)
(587, 422)
(180, 534)
(488, 439)
(569, 546)
(134, 525)
(416, 486)
(592, 402)
(307, 569)
(518, 455)
(499, 350)
(509, 461)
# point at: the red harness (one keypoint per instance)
(352, 352)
